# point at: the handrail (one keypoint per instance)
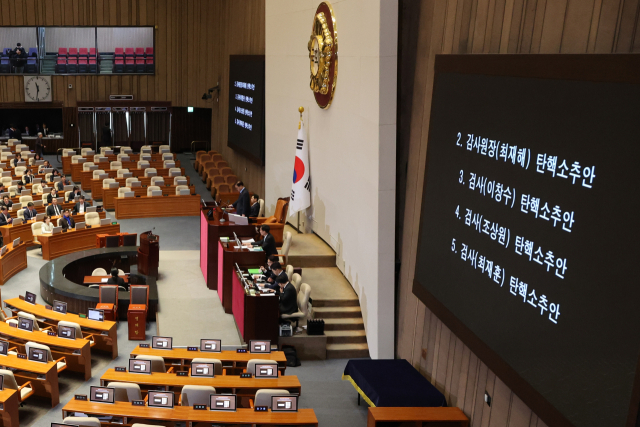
(195, 142)
(60, 151)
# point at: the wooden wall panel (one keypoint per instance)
(194, 39)
(476, 26)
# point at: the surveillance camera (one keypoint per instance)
(70, 86)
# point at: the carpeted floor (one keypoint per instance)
(188, 311)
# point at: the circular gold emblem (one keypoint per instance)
(323, 55)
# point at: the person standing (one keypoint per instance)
(241, 205)
(18, 58)
(39, 145)
(45, 129)
(106, 135)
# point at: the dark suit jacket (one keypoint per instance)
(64, 224)
(30, 214)
(76, 208)
(51, 212)
(116, 281)
(15, 162)
(274, 285)
(72, 197)
(255, 210)
(288, 300)
(15, 134)
(50, 198)
(242, 205)
(8, 204)
(60, 185)
(268, 244)
(4, 220)
(26, 179)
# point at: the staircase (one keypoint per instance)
(106, 64)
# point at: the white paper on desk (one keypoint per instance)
(238, 247)
(248, 241)
(271, 294)
(104, 280)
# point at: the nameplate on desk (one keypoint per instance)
(121, 369)
(81, 397)
(13, 325)
(48, 307)
(182, 373)
(192, 349)
(51, 333)
(241, 350)
(22, 356)
(246, 375)
(200, 407)
(137, 403)
(82, 316)
(261, 408)
(144, 345)
(21, 297)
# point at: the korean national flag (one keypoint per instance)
(301, 190)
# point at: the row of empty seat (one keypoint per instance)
(215, 172)
(137, 65)
(75, 65)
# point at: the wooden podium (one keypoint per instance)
(149, 254)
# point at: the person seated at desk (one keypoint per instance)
(53, 195)
(5, 216)
(3, 189)
(54, 209)
(6, 201)
(67, 222)
(30, 212)
(267, 272)
(45, 165)
(268, 243)
(81, 206)
(115, 279)
(27, 178)
(288, 297)
(76, 192)
(37, 157)
(16, 160)
(54, 174)
(60, 185)
(278, 273)
(242, 204)
(255, 206)
(19, 188)
(47, 225)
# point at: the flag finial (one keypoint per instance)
(301, 110)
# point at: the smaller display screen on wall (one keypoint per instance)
(246, 106)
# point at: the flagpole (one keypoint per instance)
(301, 110)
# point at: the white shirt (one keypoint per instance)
(81, 208)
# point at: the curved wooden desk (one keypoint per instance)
(13, 261)
(243, 387)
(187, 414)
(96, 185)
(231, 360)
(110, 194)
(161, 206)
(10, 400)
(55, 245)
(12, 232)
(105, 333)
(76, 352)
(43, 376)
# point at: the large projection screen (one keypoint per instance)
(528, 244)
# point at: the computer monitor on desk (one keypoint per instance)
(266, 370)
(102, 394)
(67, 332)
(238, 241)
(139, 366)
(262, 346)
(162, 343)
(222, 402)
(93, 314)
(202, 369)
(38, 355)
(60, 307)
(284, 403)
(4, 348)
(25, 324)
(214, 346)
(161, 399)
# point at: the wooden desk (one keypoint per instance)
(43, 376)
(147, 207)
(210, 233)
(66, 160)
(257, 317)
(12, 232)
(85, 177)
(10, 400)
(77, 352)
(243, 387)
(232, 361)
(13, 261)
(105, 334)
(55, 245)
(97, 280)
(96, 184)
(228, 256)
(187, 414)
(109, 194)
(451, 417)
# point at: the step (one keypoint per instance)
(346, 337)
(336, 302)
(344, 324)
(336, 312)
(347, 351)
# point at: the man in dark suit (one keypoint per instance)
(267, 272)
(115, 279)
(52, 195)
(268, 243)
(242, 204)
(30, 212)
(67, 222)
(255, 206)
(60, 185)
(81, 206)
(17, 159)
(54, 209)
(6, 201)
(288, 297)
(278, 273)
(14, 133)
(5, 216)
